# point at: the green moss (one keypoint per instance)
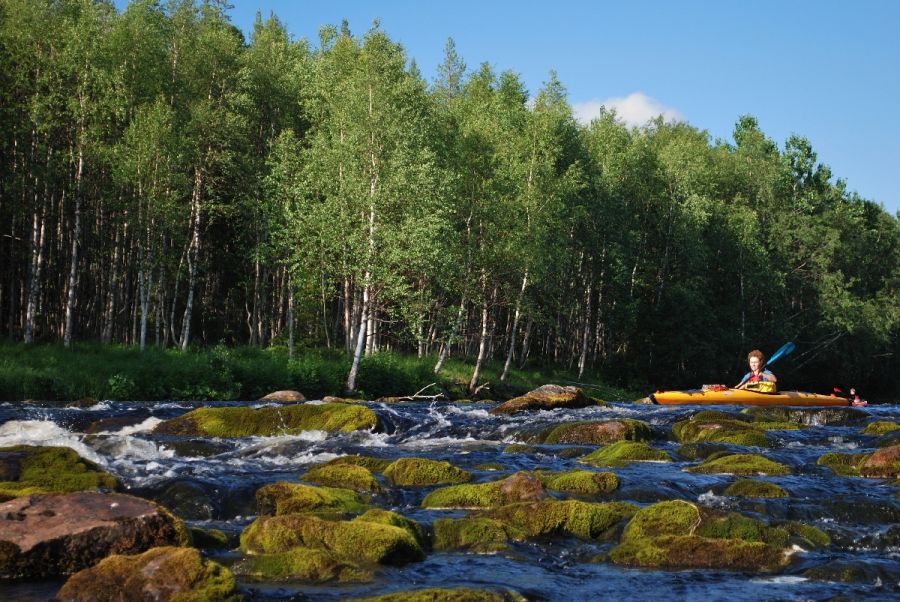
(515, 488)
(553, 517)
(28, 470)
(700, 451)
(596, 433)
(807, 416)
(208, 538)
(519, 448)
(476, 534)
(583, 482)
(407, 472)
(358, 541)
(268, 421)
(733, 526)
(367, 462)
(881, 427)
(753, 488)
(462, 594)
(846, 465)
(741, 464)
(623, 453)
(723, 430)
(305, 564)
(180, 572)
(289, 498)
(813, 536)
(347, 476)
(674, 517)
(386, 517)
(490, 466)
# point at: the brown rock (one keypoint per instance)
(522, 487)
(52, 535)
(546, 397)
(160, 574)
(284, 396)
(883, 463)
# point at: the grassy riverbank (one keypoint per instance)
(51, 372)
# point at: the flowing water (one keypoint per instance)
(211, 484)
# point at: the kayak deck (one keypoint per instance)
(746, 398)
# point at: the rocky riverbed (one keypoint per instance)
(554, 496)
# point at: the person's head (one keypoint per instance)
(756, 359)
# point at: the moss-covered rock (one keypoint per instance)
(520, 448)
(354, 541)
(163, 574)
(475, 534)
(595, 432)
(491, 466)
(581, 482)
(880, 427)
(346, 476)
(368, 462)
(412, 472)
(519, 487)
(883, 463)
(29, 470)
(624, 453)
(462, 594)
(741, 464)
(680, 534)
(586, 520)
(291, 498)
(386, 517)
(719, 430)
(283, 420)
(700, 451)
(208, 538)
(754, 488)
(851, 571)
(302, 564)
(546, 397)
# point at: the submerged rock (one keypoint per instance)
(754, 488)
(883, 463)
(52, 535)
(412, 472)
(462, 594)
(809, 416)
(680, 534)
(624, 453)
(29, 470)
(264, 422)
(354, 541)
(347, 476)
(706, 427)
(881, 427)
(367, 462)
(475, 534)
(700, 451)
(160, 574)
(740, 464)
(287, 396)
(519, 487)
(581, 482)
(546, 397)
(302, 564)
(853, 571)
(290, 498)
(208, 538)
(595, 433)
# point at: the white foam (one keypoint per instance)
(45, 433)
(144, 427)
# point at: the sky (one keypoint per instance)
(824, 69)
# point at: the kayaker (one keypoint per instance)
(757, 360)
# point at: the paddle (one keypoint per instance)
(784, 350)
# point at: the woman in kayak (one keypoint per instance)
(756, 359)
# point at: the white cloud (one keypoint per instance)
(634, 110)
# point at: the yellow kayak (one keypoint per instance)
(743, 397)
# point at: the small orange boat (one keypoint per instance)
(745, 397)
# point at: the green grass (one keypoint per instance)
(52, 372)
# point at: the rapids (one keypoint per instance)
(211, 483)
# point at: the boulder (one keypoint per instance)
(346, 476)
(808, 416)
(880, 427)
(284, 396)
(882, 463)
(160, 574)
(754, 488)
(474, 534)
(52, 535)
(460, 594)
(546, 397)
(740, 464)
(595, 433)
(28, 470)
(585, 520)
(266, 422)
(368, 462)
(579, 482)
(414, 472)
(704, 427)
(290, 498)
(520, 487)
(624, 453)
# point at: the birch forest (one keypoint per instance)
(167, 181)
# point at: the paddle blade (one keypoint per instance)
(784, 350)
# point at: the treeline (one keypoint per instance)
(164, 181)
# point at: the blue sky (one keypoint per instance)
(823, 69)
